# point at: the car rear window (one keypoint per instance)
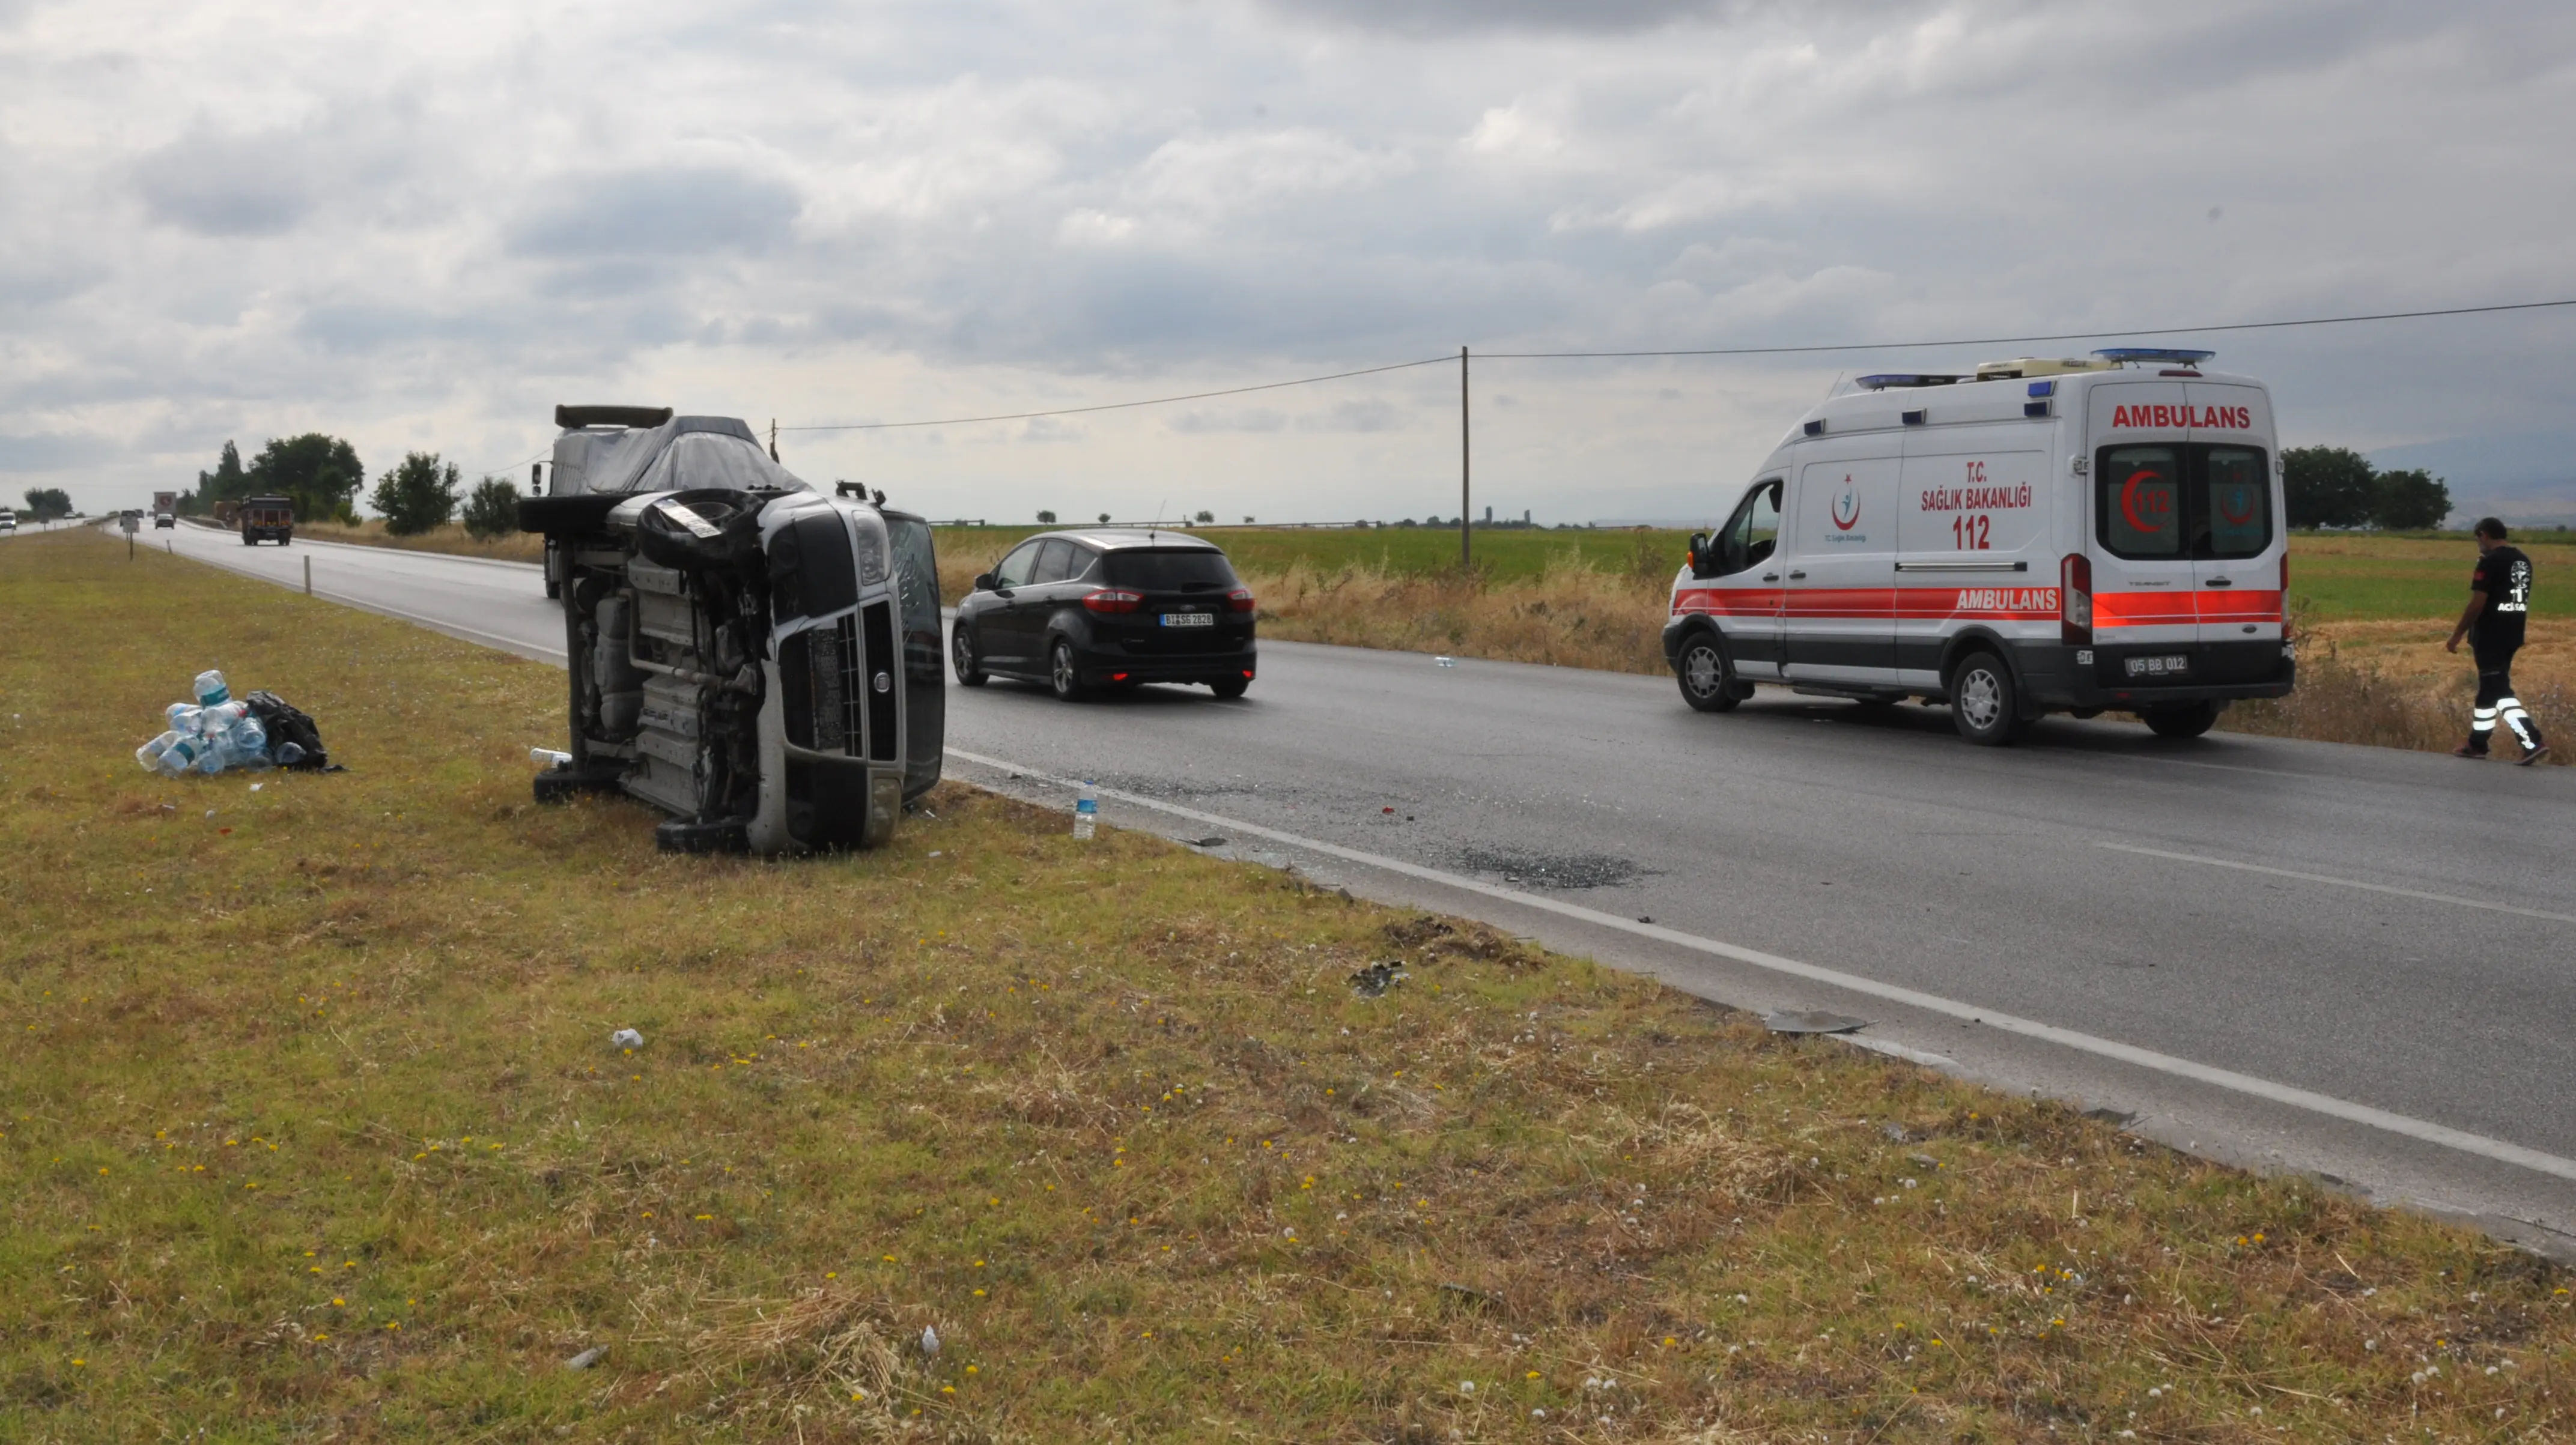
(1196, 570)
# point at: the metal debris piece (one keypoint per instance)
(1811, 1021)
(1896, 1131)
(587, 1358)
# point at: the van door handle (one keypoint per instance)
(1794, 576)
(1770, 576)
(2218, 582)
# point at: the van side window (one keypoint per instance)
(1015, 569)
(1753, 533)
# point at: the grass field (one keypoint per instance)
(313, 1131)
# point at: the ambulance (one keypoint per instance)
(2041, 535)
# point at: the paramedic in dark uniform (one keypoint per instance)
(2499, 600)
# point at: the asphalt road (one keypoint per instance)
(2350, 961)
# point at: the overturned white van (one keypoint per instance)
(2037, 536)
(757, 659)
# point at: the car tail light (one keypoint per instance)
(2075, 599)
(1239, 600)
(1113, 599)
(2285, 579)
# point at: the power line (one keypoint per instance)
(1123, 405)
(2022, 340)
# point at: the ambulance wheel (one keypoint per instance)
(1702, 671)
(2181, 720)
(1984, 703)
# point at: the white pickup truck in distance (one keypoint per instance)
(2037, 536)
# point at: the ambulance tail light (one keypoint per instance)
(2075, 600)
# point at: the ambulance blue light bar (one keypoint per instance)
(2173, 355)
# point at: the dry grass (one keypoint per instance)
(450, 537)
(312, 1132)
(2390, 684)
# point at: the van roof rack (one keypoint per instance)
(1883, 380)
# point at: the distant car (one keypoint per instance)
(164, 519)
(8, 520)
(1101, 608)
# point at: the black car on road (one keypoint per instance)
(1108, 608)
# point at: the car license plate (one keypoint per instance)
(2167, 666)
(1189, 619)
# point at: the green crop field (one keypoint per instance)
(2340, 577)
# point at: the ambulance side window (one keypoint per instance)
(1753, 533)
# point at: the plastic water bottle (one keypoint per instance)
(182, 717)
(222, 716)
(550, 757)
(289, 754)
(211, 689)
(244, 744)
(149, 755)
(1445, 661)
(1086, 811)
(180, 755)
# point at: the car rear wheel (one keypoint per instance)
(1983, 701)
(1063, 675)
(1707, 683)
(2181, 720)
(961, 655)
(1231, 686)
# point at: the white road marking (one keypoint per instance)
(2266, 1089)
(2340, 882)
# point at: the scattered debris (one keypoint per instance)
(1205, 842)
(1896, 1132)
(551, 757)
(1374, 980)
(626, 1039)
(930, 1341)
(1811, 1021)
(2113, 1117)
(587, 1358)
(1445, 661)
(218, 731)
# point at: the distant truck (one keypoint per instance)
(267, 519)
(165, 509)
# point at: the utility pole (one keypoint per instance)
(1466, 544)
(773, 438)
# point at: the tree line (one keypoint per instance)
(321, 475)
(2338, 487)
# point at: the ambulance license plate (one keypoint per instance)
(1189, 619)
(2167, 666)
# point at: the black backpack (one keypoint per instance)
(286, 723)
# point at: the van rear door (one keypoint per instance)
(2144, 579)
(2236, 532)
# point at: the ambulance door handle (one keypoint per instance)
(2218, 582)
(1770, 576)
(1795, 576)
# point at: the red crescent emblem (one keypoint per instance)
(2129, 499)
(1841, 523)
(2243, 511)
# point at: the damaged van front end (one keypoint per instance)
(758, 660)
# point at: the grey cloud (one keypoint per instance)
(657, 211)
(228, 185)
(1428, 17)
(1202, 422)
(50, 451)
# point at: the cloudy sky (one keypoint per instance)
(421, 226)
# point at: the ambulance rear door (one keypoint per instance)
(1973, 540)
(2144, 578)
(2236, 527)
(1838, 598)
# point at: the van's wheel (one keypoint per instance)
(1983, 701)
(1707, 683)
(1231, 686)
(2181, 720)
(1062, 675)
(961, 655)
(554, 592)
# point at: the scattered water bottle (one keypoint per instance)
(180, 755)
(1086, 811)
(182, 717)
(211, 689)
(149, 755)
(550, 757)
(1446, 661)
(244, 744)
